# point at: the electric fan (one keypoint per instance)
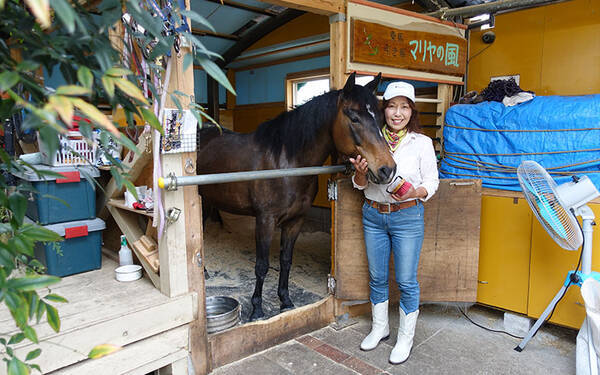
(556, 207)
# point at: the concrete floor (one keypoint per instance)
(445, 343)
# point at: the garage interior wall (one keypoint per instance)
(556, 51)
(554, 48)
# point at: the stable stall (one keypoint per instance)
(161, 320)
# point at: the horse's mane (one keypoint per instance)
(298, 128)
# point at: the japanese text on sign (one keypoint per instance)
(425, 49)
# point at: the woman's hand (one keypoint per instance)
(361, 168)
(417, 193)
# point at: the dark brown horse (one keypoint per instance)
(347, 121)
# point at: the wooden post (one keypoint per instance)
(445, 95)
(338, 44)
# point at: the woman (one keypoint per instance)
(393, 219)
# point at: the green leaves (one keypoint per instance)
(29, 283)
(65, 13)
(8, 80)
(100, 351)
(151, 119)
(16, 367)
(18, 205)
(85, 76)
(214, 71)
(53, 319)
(73, 90)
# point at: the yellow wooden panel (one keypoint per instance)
(571, 49)
(504, 253)
(549, 266)
(307, 25)
(516, 50)
(555, 49)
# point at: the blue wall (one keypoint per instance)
(200, 88)
(266, 85)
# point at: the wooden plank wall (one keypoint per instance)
(450, 255)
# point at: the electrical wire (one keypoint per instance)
(554, 308)
(487, 328)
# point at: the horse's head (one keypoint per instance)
(357, 129)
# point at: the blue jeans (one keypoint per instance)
(400, 233)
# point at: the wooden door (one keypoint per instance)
(450, 254)
(504, 253)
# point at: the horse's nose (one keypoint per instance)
(386, 173)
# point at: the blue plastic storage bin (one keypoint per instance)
(48, 205)
(80, 251)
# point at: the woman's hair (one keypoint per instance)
(413, 124)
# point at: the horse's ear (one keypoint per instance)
(349, 84)
(372, 86)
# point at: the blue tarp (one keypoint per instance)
(489, 140)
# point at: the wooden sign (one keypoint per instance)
(373, 43)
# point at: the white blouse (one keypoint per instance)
(415, 162)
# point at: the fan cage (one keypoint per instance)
(540, 190)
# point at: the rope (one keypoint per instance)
(158, 218)
(518, 130)
(522, 153)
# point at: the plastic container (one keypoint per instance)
(125, 256)
(48, 205)
(73, 150)
(81, 250)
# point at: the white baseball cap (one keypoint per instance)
(399, 88)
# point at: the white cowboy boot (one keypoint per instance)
(406, 332)
(380, 330)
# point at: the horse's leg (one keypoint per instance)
(289, 233)
(264, 235)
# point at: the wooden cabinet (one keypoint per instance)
(504, 249)
(521, 268)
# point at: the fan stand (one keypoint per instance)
(573, 277)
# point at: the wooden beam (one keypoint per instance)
(326, 7)
(216, 35)
(337, 56)
(256, 33)
(128, 223)
(234, 4)
(239, 342)
(212, 90)
(134, 165)
(180, 247)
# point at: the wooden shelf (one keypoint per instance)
(120, 203)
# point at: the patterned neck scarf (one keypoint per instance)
(393, 139)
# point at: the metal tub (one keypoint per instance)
(221, 313)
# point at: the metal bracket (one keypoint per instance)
(199, 259)
(173, 215)
(189, 168)
(332, 190)
(171, 182)
(330, 284)
(338, 17)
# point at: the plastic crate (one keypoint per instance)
(47, 204)
(73, 150)
(80, 251)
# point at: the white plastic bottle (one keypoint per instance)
(125, 256)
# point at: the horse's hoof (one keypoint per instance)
(287, 307)
(255, 316)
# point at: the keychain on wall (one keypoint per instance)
(179, 131)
